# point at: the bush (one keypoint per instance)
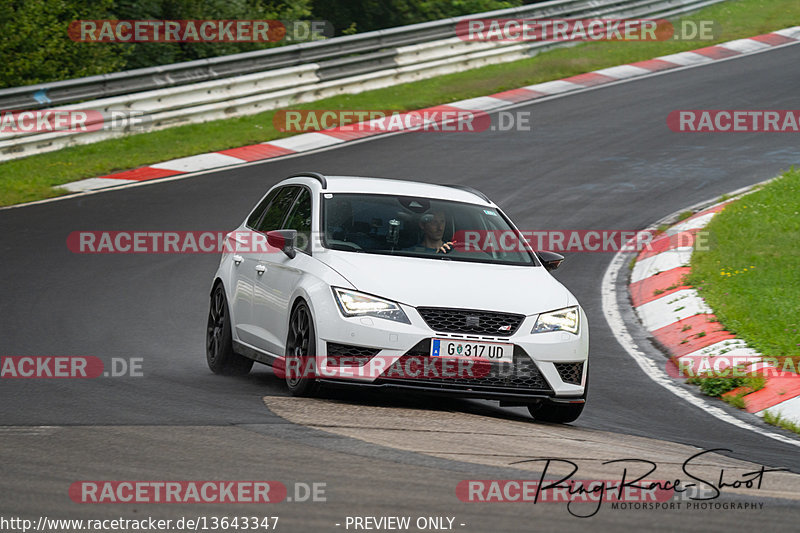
(36, 47)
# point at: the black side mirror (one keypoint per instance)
(284, 240)
(550, 260)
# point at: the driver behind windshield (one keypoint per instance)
(432, 225)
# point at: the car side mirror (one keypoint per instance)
(283, 239)
(550, 260)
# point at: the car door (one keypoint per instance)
(247, 265)
(241, 277)
(275, 286)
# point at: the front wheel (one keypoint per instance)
(219, 340)
(556, 413)
(301, 351)
(560, 413)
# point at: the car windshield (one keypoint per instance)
(420, 227)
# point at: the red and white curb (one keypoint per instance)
(324, 138)
(684, 325)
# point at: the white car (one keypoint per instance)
(370, 281)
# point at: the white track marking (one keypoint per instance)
(692, 223)
(306, 141)
(686, 58)
(90, 184)
(198, 162)
(481, 103)
(672, 308)
(744, 46)
(667, 260)
(554, 87)
(791, 33)
(623, 71)
(733, 348)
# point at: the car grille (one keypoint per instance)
(570, 372)
(469, 321)
(348, 355)
(522, 376)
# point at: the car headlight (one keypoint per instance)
(353, 303)
(559, 320)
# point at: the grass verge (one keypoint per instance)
(35, 177)
(777, 420)
(712, 385)
(749, 273)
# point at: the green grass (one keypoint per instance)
(777, 420)
(718, 383)
(750, 274)
(34, 177)
(737, 401)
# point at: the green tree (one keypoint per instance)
(368, 15)
(36, 48)
(149, 54)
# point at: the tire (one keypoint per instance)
(219, 341)
(560, 413)
(556, 413)
(301, 342)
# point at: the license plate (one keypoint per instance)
(486, 351)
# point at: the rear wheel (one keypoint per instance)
(301, 351)
(219, 341)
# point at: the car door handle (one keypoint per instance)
(238, 259)
(260, 269)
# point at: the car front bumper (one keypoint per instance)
(546, 365)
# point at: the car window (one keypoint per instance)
(300, 220)
(276, 212)
(252, 220)
(406, 226)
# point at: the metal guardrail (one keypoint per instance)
(254, 82)
(332, 54)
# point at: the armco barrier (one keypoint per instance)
(253, 82)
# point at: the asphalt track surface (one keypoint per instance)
(602, 159)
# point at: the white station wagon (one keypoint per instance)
(337, 280)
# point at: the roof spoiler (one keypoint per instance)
(469, 189)
(316, 175)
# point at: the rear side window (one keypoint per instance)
(252, 220)
(300, 220)
(276, 212)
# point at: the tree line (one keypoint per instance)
(35, 46)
